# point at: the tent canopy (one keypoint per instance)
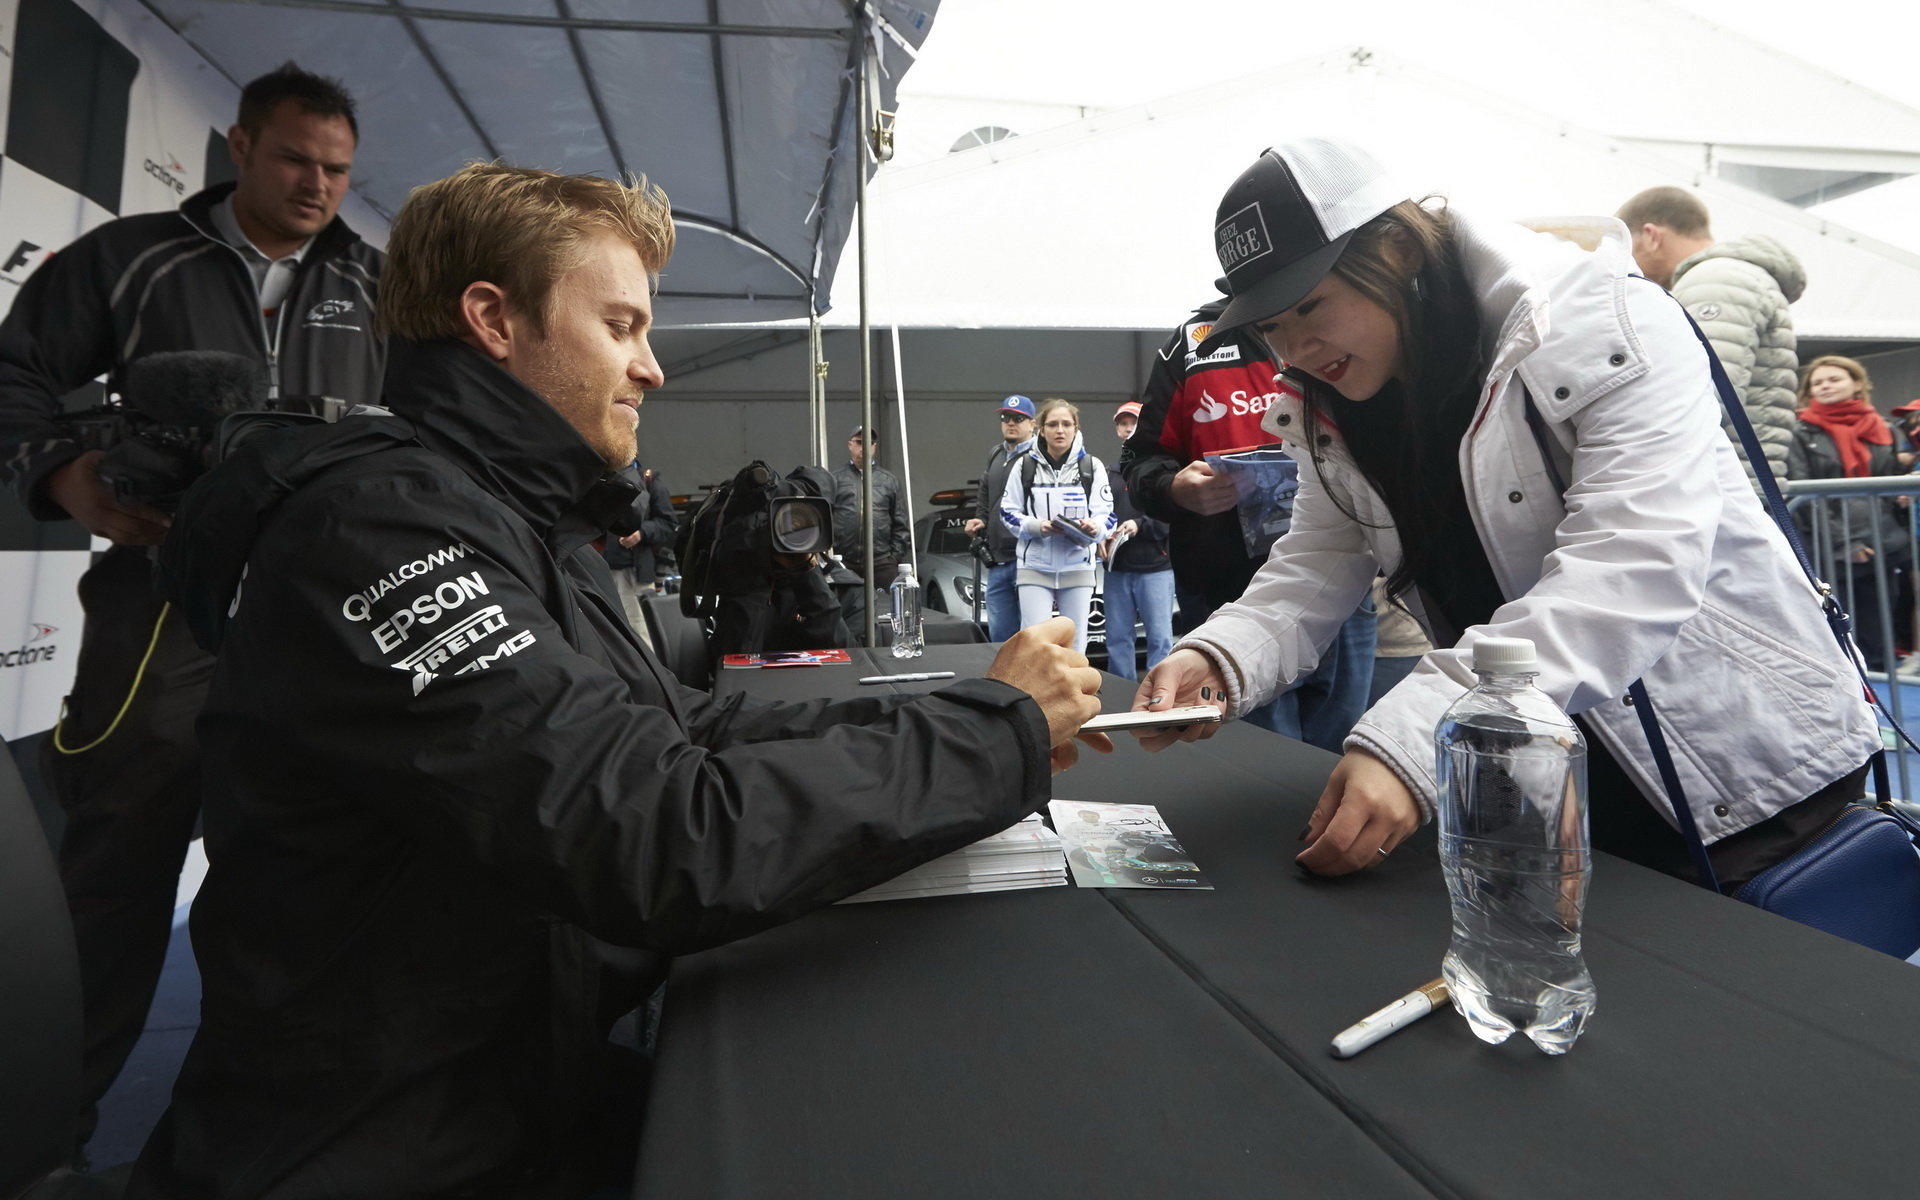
(744, 111)
(1106, 223)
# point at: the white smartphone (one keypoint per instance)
(1166, 718)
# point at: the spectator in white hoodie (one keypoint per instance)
(1059, 504)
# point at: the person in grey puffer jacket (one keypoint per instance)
(1739, 292)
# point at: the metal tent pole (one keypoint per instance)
(866, 340)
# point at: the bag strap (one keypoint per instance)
(1030, 467)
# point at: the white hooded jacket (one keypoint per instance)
(1056, 554)
(1660, 564)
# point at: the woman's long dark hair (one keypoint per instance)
(1404, 438)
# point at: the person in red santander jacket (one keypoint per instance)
(1194, 406)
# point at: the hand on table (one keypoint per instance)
(1177, 682)
(1040, 660)
(1363, 814)
(78, 488)
(1199, 488)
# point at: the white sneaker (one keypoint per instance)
(1910, 664)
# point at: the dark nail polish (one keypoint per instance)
(1305, 830)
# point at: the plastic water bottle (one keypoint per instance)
(909, 638)
(1513, 840)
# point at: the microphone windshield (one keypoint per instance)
(195, 387)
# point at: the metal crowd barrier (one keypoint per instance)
(1879, 592)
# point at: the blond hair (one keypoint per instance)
(1850, 366)
(516, 227)
(1051, 403)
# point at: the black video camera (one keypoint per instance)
(180, 413)
(728, 547)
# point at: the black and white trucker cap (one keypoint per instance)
(1286, 220)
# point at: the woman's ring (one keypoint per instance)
(1383, 852)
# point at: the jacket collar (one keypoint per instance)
(197, 210)
(497, 430)
(1037, 446)
(1516, 271)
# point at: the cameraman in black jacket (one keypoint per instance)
(449, 775)
(262, 268)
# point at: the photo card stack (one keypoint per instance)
(1025, 856)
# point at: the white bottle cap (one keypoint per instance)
(905, 574)
(1504, 656)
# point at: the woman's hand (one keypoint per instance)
(1182, 679)
(1363, 814)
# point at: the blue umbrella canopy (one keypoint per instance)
(747, 112)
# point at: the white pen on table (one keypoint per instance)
(1394, 1017)
(920, 677)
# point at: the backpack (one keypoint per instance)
(1030, 467)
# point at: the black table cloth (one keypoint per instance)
(1070, 1043)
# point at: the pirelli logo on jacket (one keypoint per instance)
(436, 621)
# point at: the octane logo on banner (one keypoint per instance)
(172, 174)
(38, 648)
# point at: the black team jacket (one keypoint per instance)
(458, 816)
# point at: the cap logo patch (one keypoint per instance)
(1242, 238)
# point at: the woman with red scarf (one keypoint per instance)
(1841, 435)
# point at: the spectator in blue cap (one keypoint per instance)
(1003, 601)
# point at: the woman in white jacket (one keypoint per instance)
(1059, 503)
(1447, 377)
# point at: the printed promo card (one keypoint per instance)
(1123, 846)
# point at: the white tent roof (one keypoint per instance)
(742, 110)
(1106, 223)
(1643, 70)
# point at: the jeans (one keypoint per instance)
(1323, 708)
(1150, 594)
(1003, 602)
(1037, 604)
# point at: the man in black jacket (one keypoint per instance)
(457, 815)
(892, 533)
(262, 268)
(1003, 597)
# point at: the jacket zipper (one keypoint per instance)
(270, 337)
